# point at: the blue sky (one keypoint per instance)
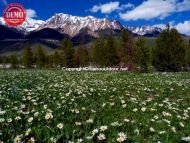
(128, 12)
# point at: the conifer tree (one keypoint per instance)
(169, 51)
(50, 61)
(110, 52)
(27, 56)
(82, 56)
(68, 52)
(56, 59)
(65, 43)
(62, 59)
(1, 60)
(99, 52)
(143, 55)
(127, 49)
(40, 57)
(187, 55)
(14, 61)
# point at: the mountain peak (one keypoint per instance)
(29, 25)
(75, 25)
(145, 30)
(72, 25)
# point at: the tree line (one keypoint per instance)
(170, 54)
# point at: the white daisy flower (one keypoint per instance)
(103, 128)
(60, 125)
(101, 137)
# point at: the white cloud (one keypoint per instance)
(155, 9)
(4, 2)
(31, 13)
(109, 7)
(126, 6)
(150, 9)
(183, 6)
(105, 8)
(183, 27)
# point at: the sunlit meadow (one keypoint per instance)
(94, 107)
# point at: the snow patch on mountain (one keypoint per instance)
(72, 25)
(28, 26)
(144, 30)
(2, 22)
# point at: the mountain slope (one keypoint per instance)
(148, 31)
(46, 33)
(9, 33)
(72, 25)
(28, 26)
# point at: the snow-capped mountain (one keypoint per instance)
(76, 27)
(28, 26)
(145, 30)
(2, 22)
(72, 25)
(69, 25)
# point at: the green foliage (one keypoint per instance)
(62, 59)
(57, 59)
(127, 50)
(105, 52)
(40, 57)
(68, 52)
(187, 55)
(1, 59)
(65, 44)
(110, 52)
(49, 61)
(14, 61)
(27, 56)
(143, 55)
(5, 60)
(170, 51)
(82, 56)
(98, 52)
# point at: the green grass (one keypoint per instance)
(145, 107)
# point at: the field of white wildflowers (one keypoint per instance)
(94, 107)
